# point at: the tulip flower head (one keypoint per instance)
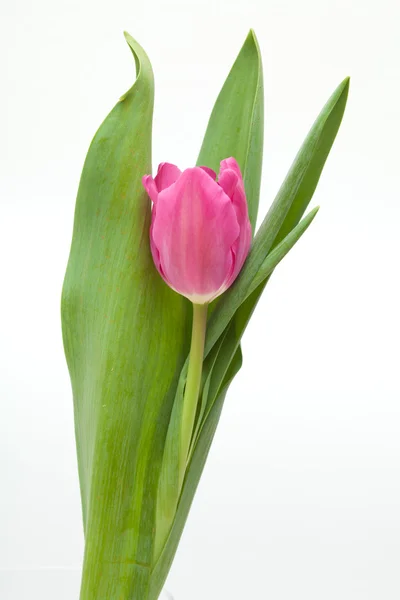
(200, 231)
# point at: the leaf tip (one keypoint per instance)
(252, 35)
(143, 66)
(252, 40)
(309, 218)
(344, 86)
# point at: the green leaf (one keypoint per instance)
(235, 129)
(228, 348)
(126, 337)
(279, 252)
(194, 472)
(208, 370)
(270, 245)
(278, 233)
(236, 125)
(287, 208)
(301, 181)
(225, 349)
(252, 278)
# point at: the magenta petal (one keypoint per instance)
(230, 163)
(154, 250)
(228, 180)
(210, 172)
(150, 187)
(241, 249)
(194, 231)
(241, 246)
(167, 174)
(200, 233)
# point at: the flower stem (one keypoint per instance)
(193, 381)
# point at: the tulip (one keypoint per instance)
(200, 232)
(200, 236)
(144, 416)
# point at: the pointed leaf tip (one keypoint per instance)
(342, 89)
(251, 41)
(235, 127)
(144, 71)
(252, 36)
(346, 82)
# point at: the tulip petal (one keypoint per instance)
(230, 163)
(210, 172)
(228, 180)
(154, 250)
(195, 229)
(150, 186)
(167, 174)
(241, 249)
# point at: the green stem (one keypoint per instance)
(193, 381)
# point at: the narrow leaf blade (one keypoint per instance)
(235, 129)
(287, 208)
(236, 125)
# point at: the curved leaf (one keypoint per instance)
(125, 336)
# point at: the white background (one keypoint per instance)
(300, 499)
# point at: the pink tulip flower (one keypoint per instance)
(200, 231)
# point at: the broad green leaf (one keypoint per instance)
(236, 125)
(126, 337)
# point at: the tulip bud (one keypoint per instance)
(200, 231)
